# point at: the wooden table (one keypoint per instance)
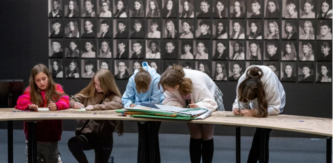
(303, 124)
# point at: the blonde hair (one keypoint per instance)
(107, 84)
(142, 80)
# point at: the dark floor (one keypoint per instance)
(174, 149)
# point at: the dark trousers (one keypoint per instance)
(260, 146)
(148, 142)
(101, 146)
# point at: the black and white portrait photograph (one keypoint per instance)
(202, 49)
(104, 8)
(203, 9)
(104, 64)
(88, 68)
(71, 8)
(122, 69)
(121, 49)
(72, 69)
(88, 8)
(134, 65)
(274, 66)
(88, 49)
(186, 28)
(306, 30)
(121, 29)
(187, 64)
(290, 9)
(219, 70)
(325, 30)
(220, 8)
(237, 9)
(56, 68)
(137, 49)
(153, 28)
(153, 50)
(186, 49)
(220, 50)
(324, 51)
(186, 9)
(72, 28)
(290, 29)
(72, 48)
(137, 8)
(166, 64)
(169, 49)
(237, 29)
(55, 8)
(169, 28)
(271, 29)
(236, 69)
(325, 9)
(104, 28)
(306, 72)
(272, 50)
(289, 50)
(307, 9)
(120, 8)
(272, 9)
(204, 30)
(288, 72)
(56, 48)
(324, 72)
(169, 9)
(153, 8)
(254, 30)
(203, 66)
(105, 50)
(220, 29)
(137, 28)
(255, 9)
(88, 28)
(306, 51)
(252, 63)
(155, 64)
(237, 50)
(56, 28)
(254, 50)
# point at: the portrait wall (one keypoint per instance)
(221, 38)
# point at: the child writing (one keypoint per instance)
(143, 88)
(44, 92)
(184, 87)
(259, 94)
(100, 94)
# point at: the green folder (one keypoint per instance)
(162, 117)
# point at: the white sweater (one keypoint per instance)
(274, 91)
(203, 90)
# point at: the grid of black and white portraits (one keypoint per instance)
(219, 37)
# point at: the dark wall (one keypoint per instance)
(24, 43)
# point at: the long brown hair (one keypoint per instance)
(107, 84)
(142, 80)
(175, 76)
(51, 94)
(252, 88)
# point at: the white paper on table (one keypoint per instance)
(81, 109)
(43, 109)
(182, 110)
(205, 115)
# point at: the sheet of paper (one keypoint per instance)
(82, 109)
(43, 109)
(205, 115)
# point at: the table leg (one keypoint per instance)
(34, 143)
(30, 159)
(329, 150)
(10, 141)
(238, 145)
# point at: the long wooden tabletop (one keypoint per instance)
(303, 124)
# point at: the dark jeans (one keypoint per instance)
(101, 146)
(260, 146)
(148, 142)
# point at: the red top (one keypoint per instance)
(47, 130)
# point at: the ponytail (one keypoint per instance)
(251, 88)
(175, 76)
